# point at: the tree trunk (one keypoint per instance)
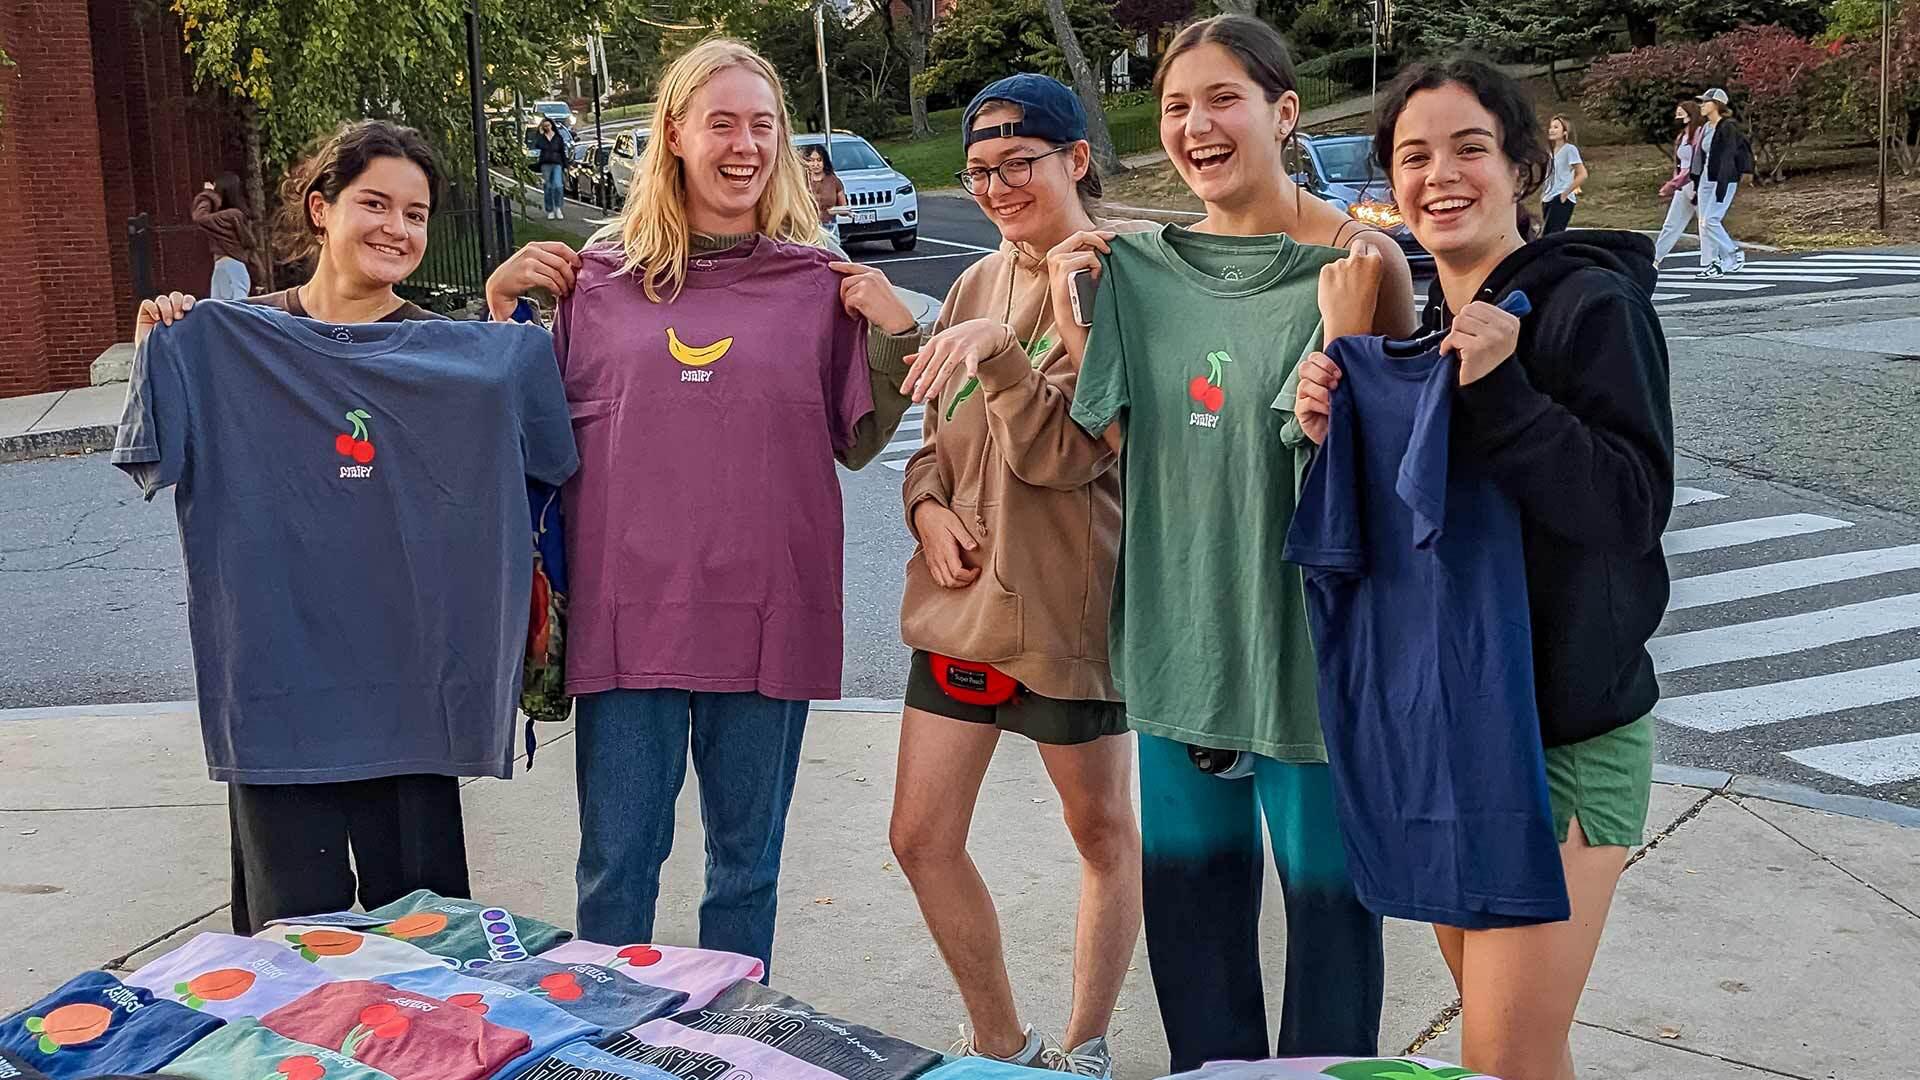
(1553, 77)
(1086, 87)
(1236, 7)
(919, 32)
(257, 192)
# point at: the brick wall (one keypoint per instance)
(100, 125)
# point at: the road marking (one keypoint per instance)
(1729, 585)
(1786, 634)
(912, 442)
(1721, 711)
(896, 466)
(954, 244)
(1862, 269)
(1751, 531)
(1659, 296)
(1868, 762)
(885, 261)
(1715, 285)
(1864, 256)
(1777, 276)
(1687, 496)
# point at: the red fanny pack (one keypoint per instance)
(972, 683)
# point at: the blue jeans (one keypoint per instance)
(1203, 868)
(556, 193)
(631, 756)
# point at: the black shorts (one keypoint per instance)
(1042, 719)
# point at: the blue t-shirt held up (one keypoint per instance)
(353, 513)
(1417, 596)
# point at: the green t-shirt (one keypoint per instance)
(1193, 337)
(244, 1050)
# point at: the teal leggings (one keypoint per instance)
(1203, 869)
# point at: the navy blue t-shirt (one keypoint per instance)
(1417, 595)
(353, 515)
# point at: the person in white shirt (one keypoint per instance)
(1565, 176)
(1678, 190)
(1724, 157)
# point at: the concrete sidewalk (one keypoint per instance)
(1750, 937)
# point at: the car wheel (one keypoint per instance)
(906, 243)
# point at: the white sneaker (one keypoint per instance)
(1033, 1055)
(1739, 263)
(1713, 270)
(1092, 1058)
(559, 215)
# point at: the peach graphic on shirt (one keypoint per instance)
(223, 984)
(417, 925)
(1394, 1069)
(354, 444)
(561, 986)
(377, 1021)
(70, 1025)
(298, 1067)
(315, 944)
(637, 956)
(473, 1003)
(699, 356)
(1206, 389)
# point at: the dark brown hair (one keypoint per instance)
(1259, 48)
(1694, 119)
(1521, 137)
(334, 165)
(232, 195)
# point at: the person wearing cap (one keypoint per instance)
(1017, 514)
(1725, 155)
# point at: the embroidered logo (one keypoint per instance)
(1208, 391)
(696, 358)
(355, 444)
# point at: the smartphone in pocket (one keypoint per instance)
(1083, 288)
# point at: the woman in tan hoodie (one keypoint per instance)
(1018, 518)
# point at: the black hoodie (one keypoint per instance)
(1578, 429)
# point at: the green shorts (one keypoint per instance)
(1604, 781)
(1042, 719)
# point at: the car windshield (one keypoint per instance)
(855, 154)
(1347, 161)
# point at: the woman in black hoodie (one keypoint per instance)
(1568, 411)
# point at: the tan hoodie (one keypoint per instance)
(1042, 498)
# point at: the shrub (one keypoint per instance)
(1638, 90)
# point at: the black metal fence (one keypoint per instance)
(455, 259)
(148, 246)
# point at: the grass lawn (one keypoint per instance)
(618, 112)
(1826, 200)
(931, 163)
(527, 230)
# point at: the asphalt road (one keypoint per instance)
(1792, 648)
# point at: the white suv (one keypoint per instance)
(882, 201)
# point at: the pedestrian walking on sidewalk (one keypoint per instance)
(220, 210)
(1724, 157)
(719, 362)
(829, 194)
(1566, 175)
(552, 149)
(1008, 498)
(1577, 388)
(1195, 335)
(357, 211)
(1678, 189)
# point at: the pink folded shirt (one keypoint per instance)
(701, 974)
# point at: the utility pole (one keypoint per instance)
(1886, 41)
(476, 99)
(820, 57)
(1373, 21)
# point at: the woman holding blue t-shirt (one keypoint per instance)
(1567, 411)
(718, 363)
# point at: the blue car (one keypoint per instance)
(1340, 169)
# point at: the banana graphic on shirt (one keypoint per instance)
(696, 357)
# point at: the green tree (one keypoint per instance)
(1706, 18)
(1549, 30)
(982, 40)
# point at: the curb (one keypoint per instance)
(59, 443)
(1759, 787)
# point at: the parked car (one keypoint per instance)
(589, 178)
(1340, 169)
(557, 111)
(623, 160)
(882, 202)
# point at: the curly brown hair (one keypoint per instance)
(334, 164)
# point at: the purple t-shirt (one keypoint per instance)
(704, 540)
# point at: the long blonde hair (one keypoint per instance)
(653, 232)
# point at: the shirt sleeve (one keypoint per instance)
(1326, 533)
(1422, 482)
(151, 445)
(1573, 156)
(1101, 394)
(546, 427)
(849, 384)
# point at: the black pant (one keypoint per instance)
(1559, 211)
(290, 844)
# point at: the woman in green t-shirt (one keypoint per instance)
(1196, 332)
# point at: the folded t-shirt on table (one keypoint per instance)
(408, 1036)
(703, 1055)
(579, 1061)
(845, 1049)
(246, 1050)
(96, 1024)
(346, 954)
(701, 974)
(548, 1026)
(589, 992)
(228, 976)
(468, 932)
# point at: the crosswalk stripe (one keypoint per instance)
(910, 443)
(1659, 296)
(1749, 274)
(899, 466)
(1863, 269)
(1729, 585)
(1786, 634)
(1687, 496)
(1714, 285)
(1750, 531)
(1864, 256)
(1720, 711)
(1867, 762)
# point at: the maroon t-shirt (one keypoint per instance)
(408, 1036)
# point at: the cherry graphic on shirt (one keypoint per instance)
(69, 1025)
(637, 956)
(473, 1003)
(1206, 389)
(377, 1021)
(299, 1067)
(354, 444)
(417, 925)
(561, 986)
(223, 984)
(315, 944)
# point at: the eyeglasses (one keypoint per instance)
(1015, 172)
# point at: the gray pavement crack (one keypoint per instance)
(97, 809)
(120, 962)
(1825, 858)
(1670, 1044)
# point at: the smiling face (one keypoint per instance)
(376, 231)
(1043, 210)
(1455, 187)
(1557, 130)
(727, 144)
(1217, 126)
(816, 165)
